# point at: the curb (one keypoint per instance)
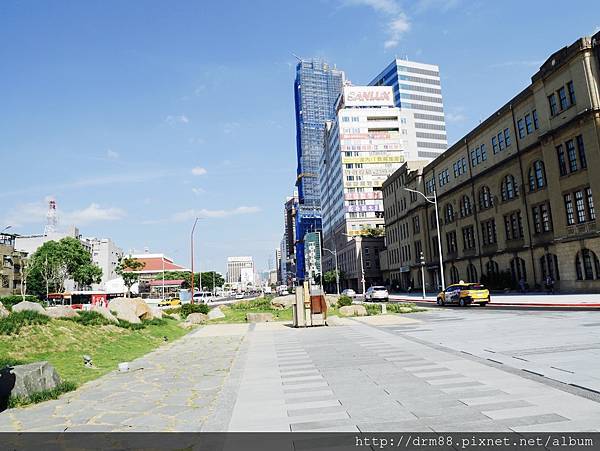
(508, 305)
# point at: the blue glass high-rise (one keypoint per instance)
(316, 88)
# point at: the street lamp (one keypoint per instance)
(423, 273)
(437, 224)
(362, 269)
(6, 228)
(192, 265)
(337, 273)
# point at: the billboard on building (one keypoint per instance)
(368, 96)
(312, 252)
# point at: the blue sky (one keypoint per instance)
(138, 116)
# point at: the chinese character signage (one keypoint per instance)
(312, 254)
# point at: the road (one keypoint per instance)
(428, 371)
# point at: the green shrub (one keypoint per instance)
(89, 318)
(187, 309)
(344, 300)
(154, 322)
(44, 395)
(9, 301)
(172, 310)
(12, 323)
(373, 309)
(256, 304)
(131, 326)
(402, 307)
(7, 361)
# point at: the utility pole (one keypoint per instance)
(423, 273)
(192, 259)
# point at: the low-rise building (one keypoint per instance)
(515, 195)
(11, 267)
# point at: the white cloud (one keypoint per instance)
(457, 115)
(199, 170)
(93, 213)
(188, 215)
(398, 23)
(198, 191)
(112, 155)
(437, 5)
(199, 90)
(230, 127)
(174, 120)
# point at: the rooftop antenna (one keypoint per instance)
(51, 218)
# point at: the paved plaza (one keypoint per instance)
(420, 372)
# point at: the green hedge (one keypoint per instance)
(187, 309)
(13, 323)
(344, 300)
(256, 304)
(9, 301)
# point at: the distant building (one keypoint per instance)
(11, 261)
(418, 93)
(31, 243)
(155, 265)
(240, 272)
(105, 254)
(288, 253)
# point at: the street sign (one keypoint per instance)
(312, 252)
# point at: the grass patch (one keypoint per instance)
(44, 395)
(260, 304)
(13, 323)
(187, 309)
(63, 342)
(373, 309)
(402, 307)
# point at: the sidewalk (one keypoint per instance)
(587, 301)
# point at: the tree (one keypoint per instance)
(212, 279)
(372, 232)
(126, 267)
(329, 276)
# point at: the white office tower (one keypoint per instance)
(417, 91)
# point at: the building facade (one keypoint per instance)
(289, 241)
(417, 91)
(515, 195)
(12, 264)
(240, 272)
(316, 88)
(106, 255)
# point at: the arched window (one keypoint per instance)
(549, 265)
(449, 213)
(485, 198)
(466, 209)
(432, 220)
(491, 267)
(509, 188)
(517, 269)
(537, 176)
(472, 273)
(454, 277)
(587, 265)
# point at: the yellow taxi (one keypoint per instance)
(169, 302)
(464, 294)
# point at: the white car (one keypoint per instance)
(239, 295)
(377, 293)
(349, 292)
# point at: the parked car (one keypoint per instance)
(464, 294)
(377, 293)
(349, 292)
(174, 302)
(239, 295)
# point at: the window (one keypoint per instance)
(430, 185)
(571, 90)
(587, 266)
(418, 249)
(580, 206)
(542, 218)
(581, 152)
(500, 141)
(507, 137)
(492, 267)
(466, 209)
(468, 238)
(451, 242)
(536, 123)
(443, 177)
(562, 98)
(494, 144)
(528, 124)
(590, 204)
(562, 164)
(416, 224)
(509, 189)
(478, 155)
(521, 128)
(454, 276)
(569, 209)
(488, 232)
(571, 155)
(517, 269)
(485, 198)
(472, 273)
(537, 176)
(432, 220)
(552, 103)
(549, 265)
(513, 226)
(537, 220)
(449, 213)
(460, 167)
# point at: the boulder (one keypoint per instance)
(29, 306)
(353, 310)
(185, 325)
(196, 318)
(156, 312)
(282, 302)
(127, 308)
(259, 317)
(61, 311)
(129, 316)
(25, 380)
(215, 313)
(331, 300)
(3, 311)
(105, 313)
(175, 316)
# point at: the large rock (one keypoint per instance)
(331, 300)
(196, 318)
(175, 316)
(61, 311)
(30, 307)
(25, 380)
(216, 313)
(186, 325)
(156, 312)
(105, 313)
(282, 302)
(353, 310)
(3, 311)
(259, 317)
(127, 308)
